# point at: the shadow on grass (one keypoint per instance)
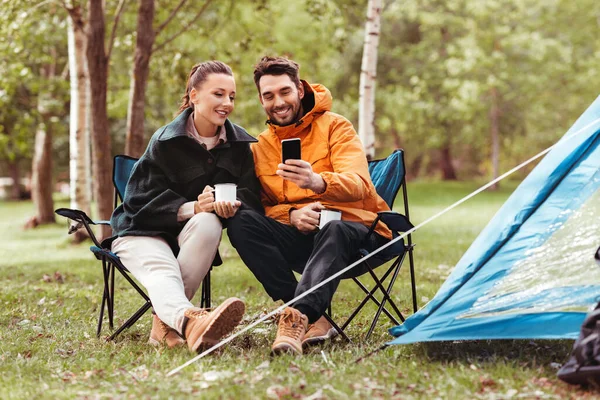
(484, 351)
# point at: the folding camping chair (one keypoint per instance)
(122, 167)
(388, 176)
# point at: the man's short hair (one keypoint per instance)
(276, 66)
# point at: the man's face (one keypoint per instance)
(281, 99)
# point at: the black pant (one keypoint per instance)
(272, 251)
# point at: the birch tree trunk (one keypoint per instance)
(134, 144)
(97, 61)
(41, 179)
(368, 76)
(79, 140)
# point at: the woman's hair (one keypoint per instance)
(276, 66)
(198, 75)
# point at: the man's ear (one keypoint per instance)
(301, 91)
(260, 99)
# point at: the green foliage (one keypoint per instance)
(433, 89)
(32, 42)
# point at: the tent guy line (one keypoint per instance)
(391, 242)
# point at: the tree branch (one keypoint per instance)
(170, 17)
(185, 28)
(119, 11)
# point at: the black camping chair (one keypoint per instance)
(122, 167)
(388, 176)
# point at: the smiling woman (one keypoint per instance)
(169, 226)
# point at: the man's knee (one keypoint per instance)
(241, 223)
(334, 228)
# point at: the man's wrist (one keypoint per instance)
(319, 184)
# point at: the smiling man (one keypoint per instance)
(332, 174)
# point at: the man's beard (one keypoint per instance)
(295, 118)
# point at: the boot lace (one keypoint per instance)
(197, 314)
(290, 325)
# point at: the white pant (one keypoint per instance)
(172, 282)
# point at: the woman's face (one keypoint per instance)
(213, 100)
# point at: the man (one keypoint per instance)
(333, 173)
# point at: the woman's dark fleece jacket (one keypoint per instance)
(173, 170)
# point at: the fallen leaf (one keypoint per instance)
(277, 392)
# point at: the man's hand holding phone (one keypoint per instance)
(300, 172)
(293, 169)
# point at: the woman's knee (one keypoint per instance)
(202, 226)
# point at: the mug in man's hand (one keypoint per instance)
(329, 215)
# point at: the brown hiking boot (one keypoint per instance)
(290, 332)
(319, 332)
(162, 333)
(204, 329)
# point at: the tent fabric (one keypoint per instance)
(530, 273)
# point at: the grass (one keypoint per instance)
(51, 293)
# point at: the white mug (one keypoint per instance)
(329, 215)
(225, 192)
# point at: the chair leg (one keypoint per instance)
(337, 328)
(111, 302)
(105, 297)
(132, 320)
(203, 293)
(386, 297)
(412, 275)
(370, 297)
(208, 292)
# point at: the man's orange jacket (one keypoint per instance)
(331, 145)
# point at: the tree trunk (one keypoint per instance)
(41, 169)
(14, 172)
(448, 173)
(41, 179)
(79, 133)
(79, 141)
(495, 133)
(134, 145)
(368, 76)
(97, 61)
(445, 162)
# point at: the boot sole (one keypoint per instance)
(285, 348)
(224, 320)
(317, 340)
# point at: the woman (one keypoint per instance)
(169, 225)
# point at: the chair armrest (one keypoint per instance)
(81, 219)
(395, 221)
(75, 215)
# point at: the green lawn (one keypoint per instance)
(51, 293)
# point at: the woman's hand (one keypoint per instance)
(225, 209)
(206, 201)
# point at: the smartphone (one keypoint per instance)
(290, 149)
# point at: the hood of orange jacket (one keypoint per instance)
(330, 144)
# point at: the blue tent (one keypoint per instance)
(531, 271)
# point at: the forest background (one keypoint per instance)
(467, 88)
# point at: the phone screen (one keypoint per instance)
(290, 150)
